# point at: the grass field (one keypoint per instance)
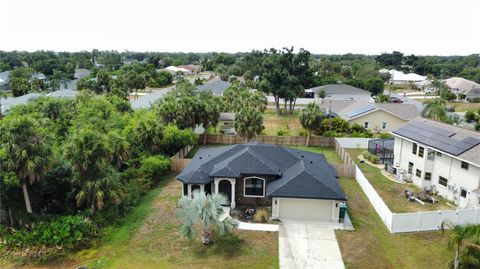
(149, 238)
(330, 153)
(371, 245)
(391, 192)
(274, 123)
(462, 107)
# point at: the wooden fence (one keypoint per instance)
(178, 161)
(315, 141)
(346, 159)
(344, 170)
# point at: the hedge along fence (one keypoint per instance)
(315, 141)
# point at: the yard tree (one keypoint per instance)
(28, 150)
(209, 108)
(461, 237)
(435, 110)
(134, 82)
(203, 211)
(311, 117)
(20, 80)
(145, 131)
(103, 81)
(248, 123)
(90, 155)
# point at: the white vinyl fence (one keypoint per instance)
(353, 142)
(416, 221)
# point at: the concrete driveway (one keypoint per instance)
(308, 246)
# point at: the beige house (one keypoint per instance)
(376, 117)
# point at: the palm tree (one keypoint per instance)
(28, 151)
(460, 237)
(209, 112)
(205, 211)
(435, 110)
(248, 123)
(311, 118)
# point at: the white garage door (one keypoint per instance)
(305, 209)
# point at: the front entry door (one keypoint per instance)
(225, 187)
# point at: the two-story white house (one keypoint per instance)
(440, 155)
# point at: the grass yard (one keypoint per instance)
(391, 192)
(371, 245)
(329, 153)
(274, 123)
(149, 238)
(462, 107)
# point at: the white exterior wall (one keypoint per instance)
(446, 166)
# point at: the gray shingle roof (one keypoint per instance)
(146, 101)
(11, 102)
(349, 109)
(298, 173)
(214, 86)
(340, 89)
(63, 94)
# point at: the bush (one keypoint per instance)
(385, 135)
(154, 166)
(471, 116)
(303, 132)
(477, 126)
(261, 215)
(175, 139)
(66, 231)
(330, 134)
(282, 132)
(474, 100)
(371, 157)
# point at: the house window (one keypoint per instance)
(465, 165)
(428, 176)
(463, 193)
(430, 155)
(254, 186)
(365, 125)
(384, 125)
(443, 181)
(439, 154)
(414, 149)
(410, 167)
(419, 173)
(420, 151)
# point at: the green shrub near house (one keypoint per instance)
(371, 157)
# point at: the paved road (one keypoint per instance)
(308, 246)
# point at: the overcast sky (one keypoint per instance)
(424, 27)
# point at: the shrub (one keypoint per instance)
(474, 100)
(154, 166)
(371, 157)
(66, 231)
(303, 132)
(477, 126)
(471, 116)
(175, 139)
(385, 135)
(282, 132)
(261, 215)
(330, 134)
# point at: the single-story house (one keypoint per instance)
(458, 85)
(216, 86)
(340, 92)
(377, 117)
(11, 102)
(190, 67)
(441, 156)
(398, 77)
(175, 70)
(66, 93)
(297, 184)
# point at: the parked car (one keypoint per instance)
(396, 100)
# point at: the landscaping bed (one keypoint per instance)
(391, 192)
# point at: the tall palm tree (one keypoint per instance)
(248, 123)
(311, 117)
(204, 211)
(209, 112)
(28, 149)
(435, 110)
(460, 237)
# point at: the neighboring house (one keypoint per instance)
(398, 77)
(175, 70)
(377, 117)
(440, 155)
(340, 92)
(11, 102)
(63, 94)
(146, 101)
(226, 122)
(4, 80)
(191, 68)
(297, 184)
(458, 85)
(39, 76)
(216, 86)
(81, 73)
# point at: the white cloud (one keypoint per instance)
(330, 26)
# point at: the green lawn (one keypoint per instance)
(285, 122)
(391, 192)
(371, 245)
(329, 153)
(149, 238)
(462, 107)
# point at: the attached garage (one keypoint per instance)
(307, 209)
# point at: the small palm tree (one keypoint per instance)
(435, 110)
(311, 118)
(460, 237)
(204, 211)
(248, 123)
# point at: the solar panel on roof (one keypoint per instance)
(471, 140)
(360, 111)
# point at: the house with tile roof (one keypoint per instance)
(297, 184)
(376, 117)
(442, 156)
